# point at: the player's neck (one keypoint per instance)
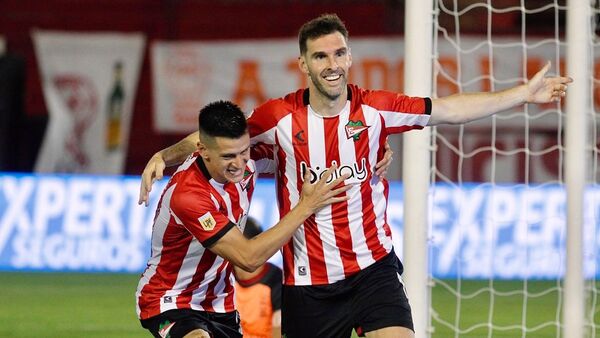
(209, 172)
(324, 105)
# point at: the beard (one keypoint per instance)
(329, 94)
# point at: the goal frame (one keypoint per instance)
(417, 149)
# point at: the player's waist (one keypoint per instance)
(315, 269)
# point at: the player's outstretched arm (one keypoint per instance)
(466, 107)
(167, 157)
(250, 254)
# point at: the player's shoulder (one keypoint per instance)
(361, 94)
(284, 105)
(191, 188)
(384, 99)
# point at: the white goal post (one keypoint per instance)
(418, 41)
(579, 21)
(418, 147)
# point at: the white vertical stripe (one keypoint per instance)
(219, 302)
(379, 202)
(299, 240)
(317, 150)
(225, 196)
(373, 120)
(159, 228)
(379, 207)
(199, 294)
(267, 137)
(355, 214)
(215, 201)
(184, 276)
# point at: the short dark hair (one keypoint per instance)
(252, 228)
(222, 118)
(317, 27)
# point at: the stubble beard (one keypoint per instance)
(316, 80)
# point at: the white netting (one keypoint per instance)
(501, 180)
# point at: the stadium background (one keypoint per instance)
(195, 20)
(100, 305)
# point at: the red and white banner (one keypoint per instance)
(188, 75)
(89, 82)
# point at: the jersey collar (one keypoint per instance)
(202, 167)
(306, 96)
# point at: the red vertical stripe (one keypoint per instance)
(207, 260)
(210, 292)
(379, 254)
(229, 298)
(362, 150)
(339, 211)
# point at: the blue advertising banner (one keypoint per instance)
(74, 223)
(85, 223)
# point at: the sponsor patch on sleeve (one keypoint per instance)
(207, 222)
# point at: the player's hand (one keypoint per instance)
(382, 166)
(153, 171)
(316, 195)
(542, 89)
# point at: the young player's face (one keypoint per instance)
(327, 61)
(226, 158)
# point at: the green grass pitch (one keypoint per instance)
(103, 305)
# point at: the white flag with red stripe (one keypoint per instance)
(89, 82)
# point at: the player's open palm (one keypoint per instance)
(544, 89)
(316, 195)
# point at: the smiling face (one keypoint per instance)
(327, 61)
(225, 158)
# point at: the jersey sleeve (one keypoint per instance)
(200, 215)
(261, 125)
(262, 121)
(400, 112)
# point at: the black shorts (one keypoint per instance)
(370, 300)
(183, 321)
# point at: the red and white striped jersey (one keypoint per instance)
(347, 237)
(193, 213)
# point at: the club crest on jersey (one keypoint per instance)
(245, 182)
(354, 129)
(207, 222)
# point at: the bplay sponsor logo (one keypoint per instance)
(357, 172)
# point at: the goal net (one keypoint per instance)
(498, 228)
